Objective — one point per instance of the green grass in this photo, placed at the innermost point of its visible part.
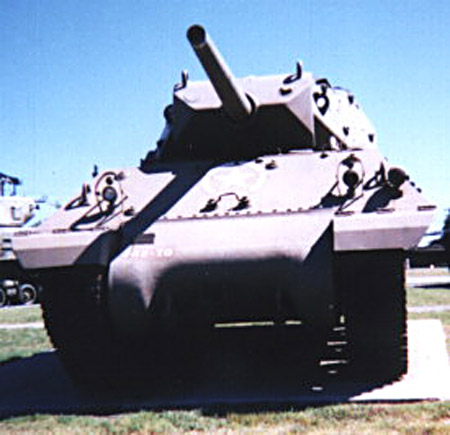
(27, 314)
(21, 343)
(350, 418)
(428, 296)
(443, 316)
(141, 422)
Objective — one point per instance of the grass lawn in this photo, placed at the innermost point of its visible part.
(420, 418)
(21, 343)
(428, 296)
(423, 418)
(21, 314)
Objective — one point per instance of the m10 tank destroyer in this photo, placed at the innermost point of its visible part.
(15, 211)
(266, 202)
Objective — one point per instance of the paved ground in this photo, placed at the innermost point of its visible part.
(428, 281)
(40, 384)
(429, 309)
(31, 325)
(429, 370)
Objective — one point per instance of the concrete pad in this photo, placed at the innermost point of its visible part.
(428, 281)
(428, 374)
(31, 325)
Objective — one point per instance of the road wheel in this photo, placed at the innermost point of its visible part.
(28, 294)
(3, 298)
(372, 286)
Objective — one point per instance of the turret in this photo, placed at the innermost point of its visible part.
(15, 211)
(228, 118)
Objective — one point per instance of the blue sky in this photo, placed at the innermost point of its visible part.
(84, 82)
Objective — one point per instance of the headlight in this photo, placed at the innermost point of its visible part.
(109, 194)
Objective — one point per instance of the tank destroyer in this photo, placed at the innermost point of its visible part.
(266, 201)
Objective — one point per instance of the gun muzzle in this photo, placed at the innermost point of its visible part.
(235, 102)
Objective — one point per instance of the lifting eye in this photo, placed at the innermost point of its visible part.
(322, 102)
(321, 99)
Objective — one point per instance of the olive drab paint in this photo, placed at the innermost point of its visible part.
(259, 193)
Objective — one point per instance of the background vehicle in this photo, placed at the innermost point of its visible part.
(16, 287)
(435, 253)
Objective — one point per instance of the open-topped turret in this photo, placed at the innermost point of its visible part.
(229, 118)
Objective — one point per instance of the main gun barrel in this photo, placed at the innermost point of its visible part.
(234, 101)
